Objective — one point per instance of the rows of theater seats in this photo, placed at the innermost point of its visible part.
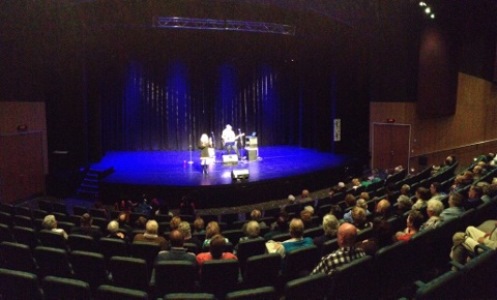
(45, 267)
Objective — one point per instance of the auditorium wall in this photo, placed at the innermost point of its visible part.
(471, 131)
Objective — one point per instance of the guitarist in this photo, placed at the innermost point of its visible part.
(230, 139)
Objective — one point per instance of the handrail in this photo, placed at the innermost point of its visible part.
(455, 148)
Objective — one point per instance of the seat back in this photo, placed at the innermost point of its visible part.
(52, 239)
(65, 288)
(248, 248)
(129, 272)
(183, 280)
(446, 286)
(106, 292)
(82, 242)
(89, 267)
(300, 262)
(24, 221)
(267, 264)
(348, 277)
(145, 250)
(53, 261)
(112, 247)
(219, 276)
(26, 236)
(19, 285)
(17, 257)
(312, 287)
(262, 293)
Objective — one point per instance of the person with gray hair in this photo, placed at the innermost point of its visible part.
(151, 235)
(50, 223)
(434, 208)
(113, 231)
(330, 229)
(404, 204)
(455, 208)
(347, 217)
(185, 229)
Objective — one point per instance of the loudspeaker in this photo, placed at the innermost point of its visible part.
(252, 153)
(240, 174)
(230, 158)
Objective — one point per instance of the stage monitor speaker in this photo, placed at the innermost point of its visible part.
(252, 153)
(230, 158)
(240, 174)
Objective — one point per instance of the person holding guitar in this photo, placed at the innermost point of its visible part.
(230, 139)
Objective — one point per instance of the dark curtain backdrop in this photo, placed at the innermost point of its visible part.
(167, 105)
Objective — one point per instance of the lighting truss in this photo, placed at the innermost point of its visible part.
(228, 25)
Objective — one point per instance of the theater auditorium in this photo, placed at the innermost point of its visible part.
(248, 149)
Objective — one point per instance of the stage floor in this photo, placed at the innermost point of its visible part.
(162, 172)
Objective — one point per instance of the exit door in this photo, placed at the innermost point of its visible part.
(391, 145)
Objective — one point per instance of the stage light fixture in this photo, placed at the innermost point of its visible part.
(421, 3)
(432, 16)
(428, 10)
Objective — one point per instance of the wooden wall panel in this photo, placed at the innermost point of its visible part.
(23, 154)
(471, 131)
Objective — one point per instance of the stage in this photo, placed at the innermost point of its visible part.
(277, 172)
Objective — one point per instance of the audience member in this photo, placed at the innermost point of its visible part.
(123, 220)
(216, 250)
(434, 208)
(405, 189)
(382, 210)
(50, 223)
(465, 242)
(436, 191)
(347, 217)
(455, 208)
(280, 226)
(359, 218)
(198, 225)
(381, 237)
(151, 235)
(140, 223)
(176, 252)
(422, 195)
(113, 231)
(86, 227)
(185, 230)
(474, 197)
(296, 241)
(346, 253)
(256, 215)
(174, 223)
(330, 228)
(211, 230)
(404, 204)
(414, 221)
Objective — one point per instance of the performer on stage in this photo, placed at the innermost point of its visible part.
(230, 139)
(205, 157)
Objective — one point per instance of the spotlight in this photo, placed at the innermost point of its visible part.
(432, 16)
(427, 10)
(421, 3)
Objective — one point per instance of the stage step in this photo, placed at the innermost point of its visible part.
(91, 182)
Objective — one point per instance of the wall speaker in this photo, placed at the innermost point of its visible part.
(240, 174)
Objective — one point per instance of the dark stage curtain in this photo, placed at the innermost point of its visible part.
(168, 105)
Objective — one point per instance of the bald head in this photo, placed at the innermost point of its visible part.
(347, 234)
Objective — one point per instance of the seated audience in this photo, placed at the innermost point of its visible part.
(174, 223)
(296, 241)
(216, 250)
(279, 226)
(474, 197)
(186, 231)
(176, 252)
(50, 223)
(414, 221)
(211, 230)
(404, 204)
(359, 218)
(465, 242)
(347, 217)
(256, 215)
(433, 209)
(330, 228)
(455, 208)
(436, 191)
(346, 252)
(198, 225)
(151, 235)
(113, 231)
(382, 210)
(422, 195)
(86, 227)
